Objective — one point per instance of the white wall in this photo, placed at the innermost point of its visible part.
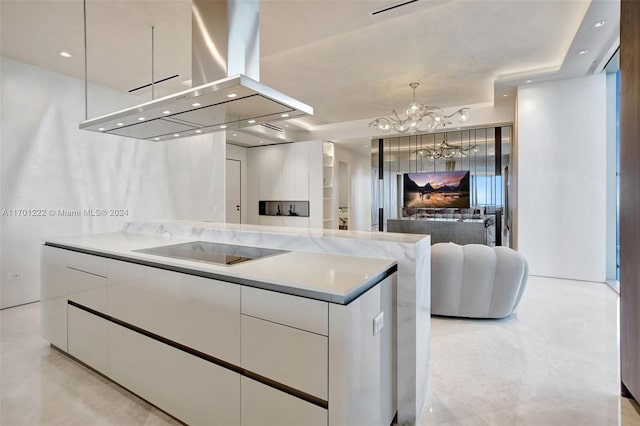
(562, 177)
(611, 177)
(48, 164)
(360, 177)
(239, 153)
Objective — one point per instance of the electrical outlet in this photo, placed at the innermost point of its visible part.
(378, 323)
(15, 276)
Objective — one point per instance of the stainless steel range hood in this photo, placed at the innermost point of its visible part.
(225, 41)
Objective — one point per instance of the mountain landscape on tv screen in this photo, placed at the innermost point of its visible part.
(437, 190)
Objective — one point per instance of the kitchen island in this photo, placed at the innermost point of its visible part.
(413, 298)
(290, 338)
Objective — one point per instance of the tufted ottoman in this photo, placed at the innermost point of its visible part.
(476, 281)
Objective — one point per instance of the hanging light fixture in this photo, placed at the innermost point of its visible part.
(446, 151)
(418, 117)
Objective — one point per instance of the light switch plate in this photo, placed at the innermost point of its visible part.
(378, 323)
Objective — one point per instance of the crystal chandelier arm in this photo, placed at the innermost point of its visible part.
(456, 112)
(379, 121)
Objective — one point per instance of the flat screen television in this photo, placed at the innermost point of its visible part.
(437, 190)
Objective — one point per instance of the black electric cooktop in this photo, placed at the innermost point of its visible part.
(219, 254)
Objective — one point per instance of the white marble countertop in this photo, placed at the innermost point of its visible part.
(312, 232)
(329, 277)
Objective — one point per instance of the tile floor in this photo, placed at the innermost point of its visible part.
(552, 363)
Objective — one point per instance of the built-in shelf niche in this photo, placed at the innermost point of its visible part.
(283, 208)
(328, 194)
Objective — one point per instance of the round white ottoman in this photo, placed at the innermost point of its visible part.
(476, 281)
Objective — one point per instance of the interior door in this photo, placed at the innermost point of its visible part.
(233, 191)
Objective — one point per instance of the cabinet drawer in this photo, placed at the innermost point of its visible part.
(299, 312)
(194, 390)
(87, 289)
(265, 406)
(201, 313)
(87, 263)
(88, 338)
(293, 357)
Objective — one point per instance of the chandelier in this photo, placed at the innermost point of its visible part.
(418, 117)
(446, 151)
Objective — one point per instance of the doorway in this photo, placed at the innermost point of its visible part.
(233, 192)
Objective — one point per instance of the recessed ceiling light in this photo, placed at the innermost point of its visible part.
(141, 118)
(231, 95)
(505, 95)
(284, 115)
(599, 24)
(101, 129)
(65, 54)
(176, 135)
(198, 131)
(156, 139)
(235, 134)
(166, 112)
(119, 124)
(582, 52)
(261, 141)
(286, 125)
(223, 126)
(196, 104)
(251, 121)
(366, 146)
(529, 81)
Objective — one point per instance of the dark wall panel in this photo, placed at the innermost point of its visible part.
(630, 195)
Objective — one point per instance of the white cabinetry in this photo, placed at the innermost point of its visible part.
(355, 350)
(67, 273)
(88, 338)
(187, 343)
(285, 172)
(201, 313)
(265, 406)
(194, 390)
(293, 357)
(298, 312)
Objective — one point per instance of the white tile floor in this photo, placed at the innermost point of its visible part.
(552, 363)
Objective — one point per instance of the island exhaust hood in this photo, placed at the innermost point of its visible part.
(227, 94)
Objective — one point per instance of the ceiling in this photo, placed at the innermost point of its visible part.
(333, 55)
